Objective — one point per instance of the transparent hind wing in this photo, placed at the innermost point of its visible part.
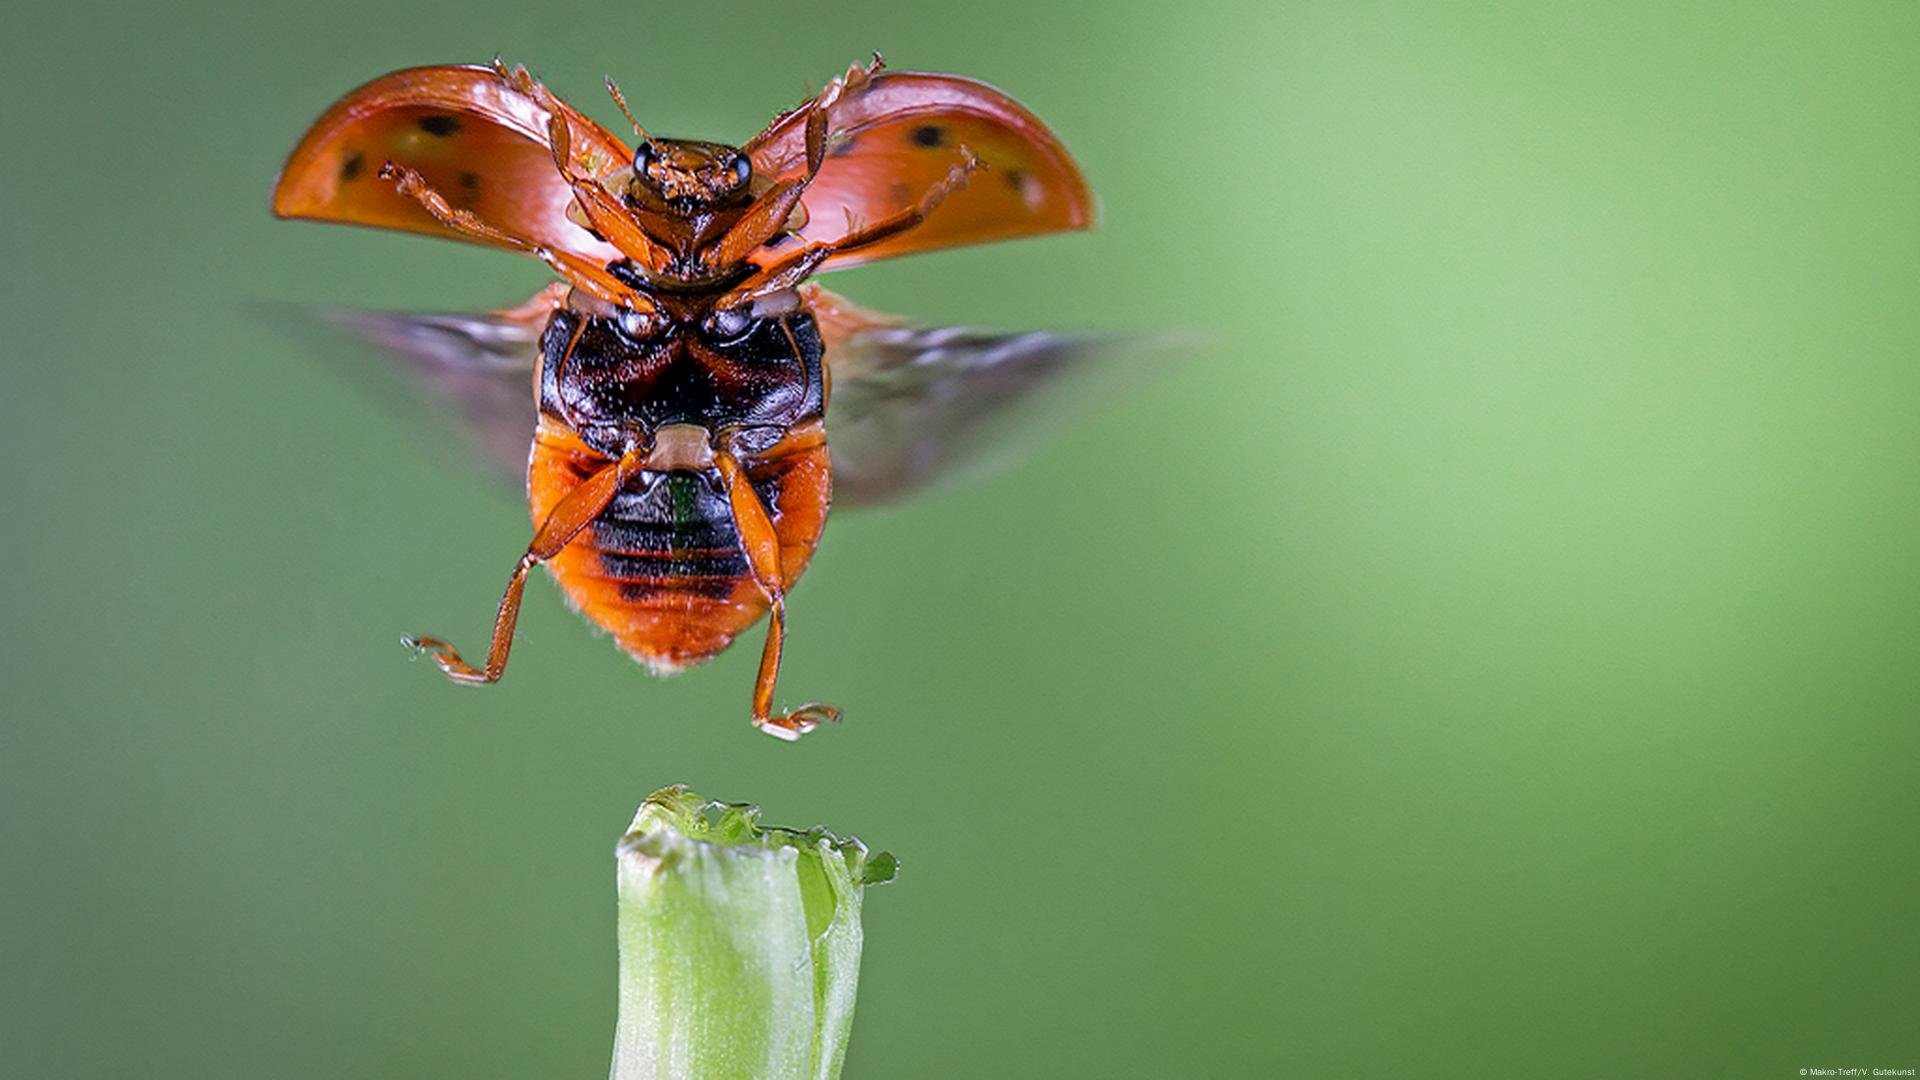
(911, 406)
(474, 372)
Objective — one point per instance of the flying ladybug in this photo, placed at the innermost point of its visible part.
(687, 379)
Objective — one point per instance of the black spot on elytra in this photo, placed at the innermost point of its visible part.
(442, 126)
(930, 135)
(1016, 179)
(351, 168)
(469, 180)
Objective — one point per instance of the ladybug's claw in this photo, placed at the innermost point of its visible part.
(790, 726)
(447, 657)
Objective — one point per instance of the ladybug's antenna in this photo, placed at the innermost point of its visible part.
(621, 100)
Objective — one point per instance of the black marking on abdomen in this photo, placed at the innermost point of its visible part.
(670, 526)
(646, 590)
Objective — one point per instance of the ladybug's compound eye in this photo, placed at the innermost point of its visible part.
(643, 156)
(729, 325)
(741, 168)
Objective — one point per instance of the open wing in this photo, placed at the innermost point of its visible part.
(913, 405)
(474, 372)
(896, 134)
(477, 134)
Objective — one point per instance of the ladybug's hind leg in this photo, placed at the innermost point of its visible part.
(762, 547)
(574, 513)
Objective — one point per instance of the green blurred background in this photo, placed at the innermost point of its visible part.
(1495, 655)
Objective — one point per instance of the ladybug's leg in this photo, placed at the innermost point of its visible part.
(793, 269)
(762, 547)
(768, 215)
(594, 279)
(602, 210)
(770, 212)
(410, 183)
(536, 310)
(866, 235)
(573, 514)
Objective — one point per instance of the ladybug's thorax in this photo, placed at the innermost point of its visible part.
(617, 379)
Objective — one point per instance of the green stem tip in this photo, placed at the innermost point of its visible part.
(739, 943)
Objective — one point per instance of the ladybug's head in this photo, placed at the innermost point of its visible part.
(691, 177)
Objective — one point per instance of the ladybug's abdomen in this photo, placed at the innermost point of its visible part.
(661, 568)
(669, 526)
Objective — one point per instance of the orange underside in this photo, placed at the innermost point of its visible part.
(671, 624)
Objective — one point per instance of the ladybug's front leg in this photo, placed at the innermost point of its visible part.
(574, 513)
(762, 546)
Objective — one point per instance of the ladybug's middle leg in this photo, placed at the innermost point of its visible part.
(594, 279)
(795, 268)
(574, 513)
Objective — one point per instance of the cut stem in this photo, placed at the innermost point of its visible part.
(739, 943)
